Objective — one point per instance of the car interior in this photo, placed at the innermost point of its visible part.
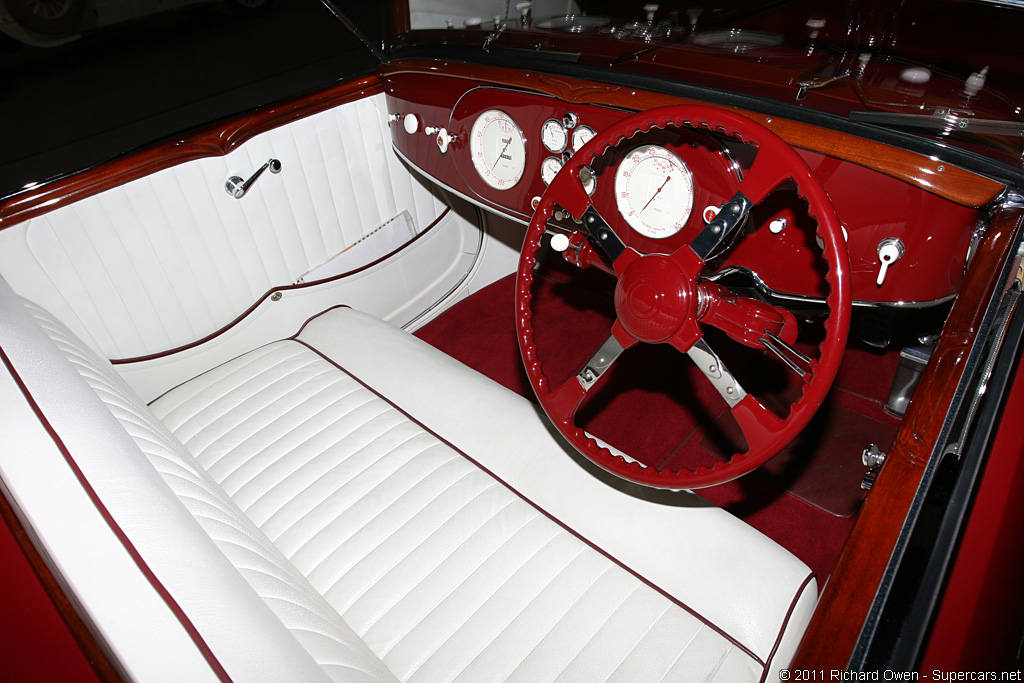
(469, 372)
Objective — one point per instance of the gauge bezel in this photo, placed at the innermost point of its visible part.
(625, 174)
(543, 136)
(577, 131)
(547, 161)
(479, 156)
(588, 178)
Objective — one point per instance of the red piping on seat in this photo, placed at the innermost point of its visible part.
(132, 551)
(785, 622)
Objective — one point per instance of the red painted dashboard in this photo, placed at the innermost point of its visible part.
(934, 233)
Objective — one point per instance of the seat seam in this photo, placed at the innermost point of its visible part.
(448, 595)
(254, 452)
(339, 486)
(391, 503)
(369, 626)
(533, 601)
(382, 482)
(487, 599)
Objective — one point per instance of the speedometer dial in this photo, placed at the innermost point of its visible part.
(654, 191)
(498, 149)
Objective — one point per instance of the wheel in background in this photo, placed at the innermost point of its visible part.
(49, 17)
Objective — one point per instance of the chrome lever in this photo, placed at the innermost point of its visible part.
(236, 187)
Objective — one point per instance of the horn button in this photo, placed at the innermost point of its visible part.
(654, 299)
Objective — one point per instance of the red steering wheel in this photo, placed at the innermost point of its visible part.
(661, 299)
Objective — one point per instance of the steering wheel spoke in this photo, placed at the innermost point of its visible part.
(571, 195)
(721, 229)
(606, 239)
(602, 360)
(724, 382)
(565, 399)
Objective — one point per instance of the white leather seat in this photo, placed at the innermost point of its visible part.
(404, 518)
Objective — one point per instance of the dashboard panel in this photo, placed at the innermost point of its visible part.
(494, 145)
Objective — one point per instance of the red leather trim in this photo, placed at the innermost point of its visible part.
(782, 628)
(295, 337)
(132, 551)
(286, 288)
(544, 512)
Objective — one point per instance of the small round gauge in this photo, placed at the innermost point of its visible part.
(581, 136)
(498, 149)
(554, 136)
(588, 179)
(549, 168)
(654, 191)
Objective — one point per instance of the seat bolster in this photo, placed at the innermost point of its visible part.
(198, 618)
(681, 535)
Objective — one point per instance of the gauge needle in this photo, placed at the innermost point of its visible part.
(501, 152)
(667, 178)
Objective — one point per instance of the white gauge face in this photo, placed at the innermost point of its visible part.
(554, 136)
(549, 168)
(588, 179)
(654, 191)
(498, 149)
(581, 136)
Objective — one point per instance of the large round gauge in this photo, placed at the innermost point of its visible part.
(498, 149)
(654, 191)
(554, 136)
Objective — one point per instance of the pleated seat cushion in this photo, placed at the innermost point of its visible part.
(437, 513)
(351, 504)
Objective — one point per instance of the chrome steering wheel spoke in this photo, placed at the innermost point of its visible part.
(724, 382)
(600, 362)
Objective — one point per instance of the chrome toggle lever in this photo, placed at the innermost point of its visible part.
(890, 250)
(236, 187)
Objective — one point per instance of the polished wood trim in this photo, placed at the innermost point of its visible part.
(399, 21)
(846, 601)
(949, 182)
(214, 140)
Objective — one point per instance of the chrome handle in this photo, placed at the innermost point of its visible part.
(236, 187)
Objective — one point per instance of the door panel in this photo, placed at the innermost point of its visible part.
(167, 259)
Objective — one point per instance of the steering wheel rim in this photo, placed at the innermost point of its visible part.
(766, 434)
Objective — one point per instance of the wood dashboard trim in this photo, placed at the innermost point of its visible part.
(949, 182)
(214, 140)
